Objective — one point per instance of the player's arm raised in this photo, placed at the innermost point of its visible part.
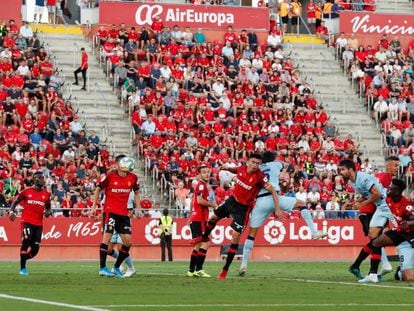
(375, 195)
(12, 212)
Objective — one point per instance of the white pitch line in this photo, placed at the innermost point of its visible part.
(376, 285)
(52, 303)
(257, 305)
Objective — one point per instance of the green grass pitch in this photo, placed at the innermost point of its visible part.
(163, 286)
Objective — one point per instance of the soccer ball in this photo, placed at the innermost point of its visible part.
(127, 164)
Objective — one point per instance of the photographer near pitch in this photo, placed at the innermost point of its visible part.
(165, 230)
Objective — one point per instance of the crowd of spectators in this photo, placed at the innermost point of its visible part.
(198, 101)
(385, 75)
(40, 130)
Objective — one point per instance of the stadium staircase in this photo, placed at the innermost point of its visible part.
(99, 107)
(319, 67)
(395, 6)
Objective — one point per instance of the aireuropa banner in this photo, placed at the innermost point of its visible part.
(11, 9)
(83, 231)
(193, 16)
(365, 23)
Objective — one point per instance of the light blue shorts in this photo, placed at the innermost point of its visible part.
(265, 206)
(116, 238)
(406, 255)
(381, 216)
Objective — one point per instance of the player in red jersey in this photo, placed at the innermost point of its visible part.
(198, 223)
(392, 165)
(35, 201)
(403, 211)
(117, 186)
(249, 181)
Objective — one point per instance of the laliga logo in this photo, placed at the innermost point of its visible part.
(151, 232)
(274, 232)
(145, 13)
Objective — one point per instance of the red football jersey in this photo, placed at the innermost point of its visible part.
(401, 211)
(117, 190)
(385, 180)
(34, 203)
(248, 186)
(199, 212)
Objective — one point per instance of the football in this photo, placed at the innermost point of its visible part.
(127, 164)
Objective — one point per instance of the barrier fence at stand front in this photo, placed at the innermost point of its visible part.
(69, 238)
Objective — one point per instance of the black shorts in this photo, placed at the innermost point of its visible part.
(365, 220)
(294, 20)
(237, 211)
(31, 233)
(285, 19)
(121, 224)
(197, 228)
(398, 237)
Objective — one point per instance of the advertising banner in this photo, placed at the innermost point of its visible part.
(11, 9)
(193, 16)
(365, 23)
(84, 231)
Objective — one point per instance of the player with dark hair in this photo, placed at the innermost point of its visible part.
(35, 201)
(264, 207)
(372, 192)
(117, 186)
(249, 180)
(366, 212)
(403, 235)
(198, 223)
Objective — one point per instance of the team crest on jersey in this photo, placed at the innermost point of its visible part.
(251, 179)
(129, 184)
(43, 197)
(29, 195)
(115, 183)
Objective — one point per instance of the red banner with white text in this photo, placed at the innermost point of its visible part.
(83, 231)
(11, 9)
(193, 16)
(376, 24)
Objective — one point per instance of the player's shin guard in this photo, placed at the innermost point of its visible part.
(123, 253)
(201, 257)
(210, 226)
(114, 254)
(363, 254)
(193, 260)
(307, 217)
(247, 249)
(103, 251)
(375, 260)
(230, 255)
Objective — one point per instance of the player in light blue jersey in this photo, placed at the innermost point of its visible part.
(265, 206)
(372, 192)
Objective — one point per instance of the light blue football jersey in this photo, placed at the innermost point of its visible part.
(272, 172)
(363, 184)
